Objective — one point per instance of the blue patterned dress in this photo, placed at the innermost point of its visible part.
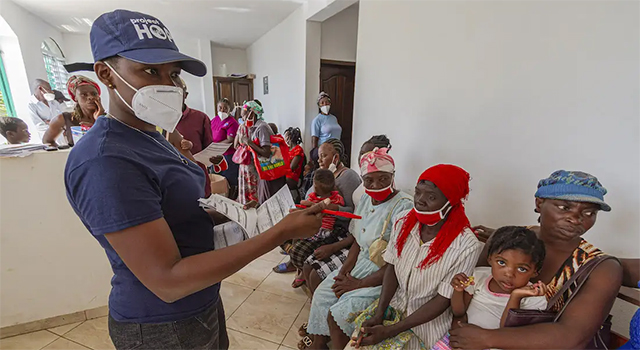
(366, 231)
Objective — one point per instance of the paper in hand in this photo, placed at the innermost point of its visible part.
(214, 149)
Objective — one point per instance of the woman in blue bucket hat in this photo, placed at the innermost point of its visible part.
(138, 196)
(568, 203)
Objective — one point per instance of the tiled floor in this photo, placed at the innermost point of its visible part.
(262, 310)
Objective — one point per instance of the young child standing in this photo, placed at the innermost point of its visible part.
(14, 130)
(515, 256)
(324, 184)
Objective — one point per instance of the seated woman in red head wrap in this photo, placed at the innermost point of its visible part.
(429, 245)
(86, 93)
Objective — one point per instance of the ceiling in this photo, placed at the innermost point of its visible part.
(231, 23)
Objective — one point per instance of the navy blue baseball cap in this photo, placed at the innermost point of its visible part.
(138, 37)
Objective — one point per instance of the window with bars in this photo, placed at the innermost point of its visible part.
(6, 102)
(54, 64)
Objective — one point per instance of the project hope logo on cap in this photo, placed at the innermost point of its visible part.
(138, 37)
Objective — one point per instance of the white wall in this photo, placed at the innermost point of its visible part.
(340, 36)
(234, 59)
(50, 263)
(280, 55)
(511, 91)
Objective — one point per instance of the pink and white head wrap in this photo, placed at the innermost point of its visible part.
(377, 160)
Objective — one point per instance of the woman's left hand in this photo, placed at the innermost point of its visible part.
(345, 283)
(99, 110)
(468, 336)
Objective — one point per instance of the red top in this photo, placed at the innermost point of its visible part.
(195, 127)
(294, 152)
(328, 220)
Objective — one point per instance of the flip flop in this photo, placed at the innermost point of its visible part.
(284, 268)
(298, 282)
(305, 343)
(302, 331)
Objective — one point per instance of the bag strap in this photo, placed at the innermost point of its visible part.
(581, 276)
(386, 222)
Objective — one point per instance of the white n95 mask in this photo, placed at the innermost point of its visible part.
(325, 109)
(158, 105)
(49, 96)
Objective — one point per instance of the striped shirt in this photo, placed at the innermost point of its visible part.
(417, 286)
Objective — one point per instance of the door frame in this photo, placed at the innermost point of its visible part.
(337, 63)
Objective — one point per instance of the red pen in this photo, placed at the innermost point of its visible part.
(343, 214)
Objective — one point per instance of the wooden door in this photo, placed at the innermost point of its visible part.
(233, 89)
(338, 80)
(243, 90)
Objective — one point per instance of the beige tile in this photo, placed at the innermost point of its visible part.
(274, 256)
(233, 296)
(265, 315)
(42, 324)
(280, 284)
(253, 274)
(62, 330)
(282, 347)
(101, 311)
(36, 341)
(292, 338)
(241, 341)
(64, 344)
(93, 334)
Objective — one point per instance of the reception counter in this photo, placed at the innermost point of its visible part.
(50, 264)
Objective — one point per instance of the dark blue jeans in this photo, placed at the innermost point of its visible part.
(206, 331)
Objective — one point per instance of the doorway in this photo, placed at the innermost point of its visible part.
(337, 78)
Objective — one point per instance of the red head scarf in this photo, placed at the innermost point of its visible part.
(79, 80)
(453, 181)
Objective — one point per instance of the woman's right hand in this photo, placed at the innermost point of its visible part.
(302, 223)
(323, 252)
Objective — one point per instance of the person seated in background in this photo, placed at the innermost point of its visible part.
(194, 125)
(86, 93)
(429, 245)
(15, 130)
(42, 106)
(569, 203)
(325, 189)
(357, 283)
(484, 299)
(293, 138)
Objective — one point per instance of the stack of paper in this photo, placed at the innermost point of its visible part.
(253, 221)
(23, 150)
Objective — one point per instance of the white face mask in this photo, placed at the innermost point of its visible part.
(333, 167)
(223, 115)
(49, 96)
(325, 109)
(158, 105)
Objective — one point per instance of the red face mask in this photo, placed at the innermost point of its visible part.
(379, 195)
(431, 218)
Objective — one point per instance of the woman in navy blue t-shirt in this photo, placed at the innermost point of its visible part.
(138, 196)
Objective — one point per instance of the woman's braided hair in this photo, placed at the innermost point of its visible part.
(339, 147)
